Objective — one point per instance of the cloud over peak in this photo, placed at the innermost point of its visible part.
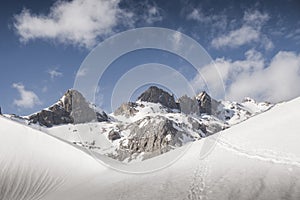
(276, 81)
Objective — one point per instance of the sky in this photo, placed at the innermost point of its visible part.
(254, 44)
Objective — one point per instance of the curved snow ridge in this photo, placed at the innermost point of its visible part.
(35, 165)
(25, 183)
(260, 154)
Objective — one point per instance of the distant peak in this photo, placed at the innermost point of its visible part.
(202, 95)
(71, 92)
(157, 95)
(71, 108)
(249, 99)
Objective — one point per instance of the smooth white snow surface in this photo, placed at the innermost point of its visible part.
(256, 159)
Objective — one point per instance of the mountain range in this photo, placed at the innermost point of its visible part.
(155, 124)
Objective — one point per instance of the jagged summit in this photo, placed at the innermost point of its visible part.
(206, 103)
(157, 95)
(71, 108)
(202, 103)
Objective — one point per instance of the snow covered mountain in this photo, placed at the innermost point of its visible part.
(257, 159)
(155, 124)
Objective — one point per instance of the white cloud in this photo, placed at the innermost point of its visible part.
(238, 37)
(197, 15)
(255, 17)
(77, 22)
(249, 32)
(54, 73)
(215, 21)
(28, 99)
(277, 81)
(152, 14)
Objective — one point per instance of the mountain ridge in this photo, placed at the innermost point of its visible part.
(155, 124)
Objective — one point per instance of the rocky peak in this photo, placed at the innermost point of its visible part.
(71, 108)
(157, 95)
(248, 99)
(207, 104)
(203, 96)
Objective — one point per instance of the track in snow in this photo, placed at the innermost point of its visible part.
(259, 154)
(198, 188)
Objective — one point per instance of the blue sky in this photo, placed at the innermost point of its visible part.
(255, 45)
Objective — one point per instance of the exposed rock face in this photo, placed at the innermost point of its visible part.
(127, 109)
(207, 104)
(196, 125)
(72, 108)
(189, 105)
(54, 116)
(203, 103)
(153, 136)
(157, 95)
(81, 110)
(114, 135)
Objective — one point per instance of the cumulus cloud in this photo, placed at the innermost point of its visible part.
(76, 22)
(276, 81)
(28, 99)
(54, 73)
(249, 32)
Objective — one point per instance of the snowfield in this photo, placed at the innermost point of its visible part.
(256, 159)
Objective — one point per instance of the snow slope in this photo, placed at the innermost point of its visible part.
(256, 159)
(34, 165)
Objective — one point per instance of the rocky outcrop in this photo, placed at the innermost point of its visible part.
(81, 110)
(113, 135)
(189, 105)
(207, 104)
(200, 104)
(127, 109)
(55, 115)
(196, 126)
(157, 95)
(71, 108)
(152, 136)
